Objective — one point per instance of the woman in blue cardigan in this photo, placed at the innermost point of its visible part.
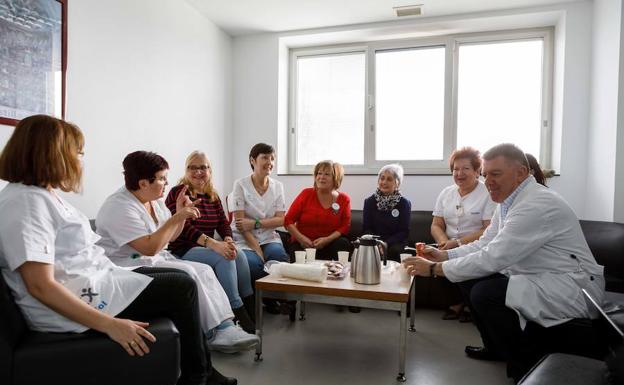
(387, 212)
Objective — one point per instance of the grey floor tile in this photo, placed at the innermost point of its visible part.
(332, 347)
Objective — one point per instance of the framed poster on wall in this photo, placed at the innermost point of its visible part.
(33, 58)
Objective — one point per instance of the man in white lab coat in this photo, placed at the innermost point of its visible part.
(529, 265)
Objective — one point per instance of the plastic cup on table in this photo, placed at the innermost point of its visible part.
(343, 257)
(310, 254)
(300, 256)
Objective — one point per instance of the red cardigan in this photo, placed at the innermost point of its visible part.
(314, 221)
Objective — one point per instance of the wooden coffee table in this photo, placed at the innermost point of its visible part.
(390, 294)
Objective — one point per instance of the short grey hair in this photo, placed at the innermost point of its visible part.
(395, 169)
(509, 151)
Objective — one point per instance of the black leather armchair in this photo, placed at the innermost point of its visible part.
(28, 357)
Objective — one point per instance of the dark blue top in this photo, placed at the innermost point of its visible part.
(391, 229)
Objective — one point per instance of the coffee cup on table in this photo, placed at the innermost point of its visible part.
(343, 257)
(310, 254)
(402, 270)
(300, 256)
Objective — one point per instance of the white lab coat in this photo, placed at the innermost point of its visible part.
(122, 219)
(464, 215)
(37, 226)
(542, 249)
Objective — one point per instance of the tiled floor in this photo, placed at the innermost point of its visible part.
(332, 347)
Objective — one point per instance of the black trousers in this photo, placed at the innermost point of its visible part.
(173, 294)
(500, 330)
(328, 252)
(499, 325)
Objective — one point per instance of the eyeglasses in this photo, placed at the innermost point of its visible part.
(201, 168)
(160, 179)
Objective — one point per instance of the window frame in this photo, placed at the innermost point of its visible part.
(451, 43)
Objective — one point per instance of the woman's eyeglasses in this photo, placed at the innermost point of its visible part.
(201, 168)
(160, 179)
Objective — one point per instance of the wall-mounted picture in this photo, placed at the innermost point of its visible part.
(33, 52)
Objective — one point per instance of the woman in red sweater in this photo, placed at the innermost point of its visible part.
(320, 217)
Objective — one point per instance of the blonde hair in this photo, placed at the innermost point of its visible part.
(209, 187)
(43, 151)
(336, 169)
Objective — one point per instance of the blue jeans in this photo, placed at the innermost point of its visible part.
(273, 251)
(233, 275)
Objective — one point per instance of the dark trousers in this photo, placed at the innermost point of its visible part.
(328, 252)
(173, 294)
(499, 325)
(500, 330)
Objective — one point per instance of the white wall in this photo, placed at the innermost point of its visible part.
(145, 75)
(601, 151)
(258, 112)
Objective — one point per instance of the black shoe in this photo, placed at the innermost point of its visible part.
(217, 378)
(272, 306)
(289, 308)
(354, 309)
(481, 353)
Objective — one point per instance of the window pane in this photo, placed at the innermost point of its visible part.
(409, 104)
(500, 95)
(330, 108)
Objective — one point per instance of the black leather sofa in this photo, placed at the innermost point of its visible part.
(28, 357)
(89, 358)
(578, 369)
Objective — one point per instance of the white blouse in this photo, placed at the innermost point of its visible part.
(464, 215)
(38, 226)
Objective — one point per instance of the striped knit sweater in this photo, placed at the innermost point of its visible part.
(212, 218)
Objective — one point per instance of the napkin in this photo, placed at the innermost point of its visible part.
(308, 272)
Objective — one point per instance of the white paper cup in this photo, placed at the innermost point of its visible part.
(405, 255)
(300, 256)
(310, 254)
(343, 257)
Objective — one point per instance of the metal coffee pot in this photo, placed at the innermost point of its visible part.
(366, 260)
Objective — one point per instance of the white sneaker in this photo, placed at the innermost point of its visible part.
(232, 339)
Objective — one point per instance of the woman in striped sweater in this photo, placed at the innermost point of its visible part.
(196, 242)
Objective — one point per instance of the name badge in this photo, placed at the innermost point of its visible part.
(395, 213)
(335, 206)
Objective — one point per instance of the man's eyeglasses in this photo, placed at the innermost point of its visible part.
(201, 168)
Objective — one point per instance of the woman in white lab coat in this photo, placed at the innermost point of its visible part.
(462, 212)
(61, 280)
(136, 227)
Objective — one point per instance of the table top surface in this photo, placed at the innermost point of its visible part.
(391, 288)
